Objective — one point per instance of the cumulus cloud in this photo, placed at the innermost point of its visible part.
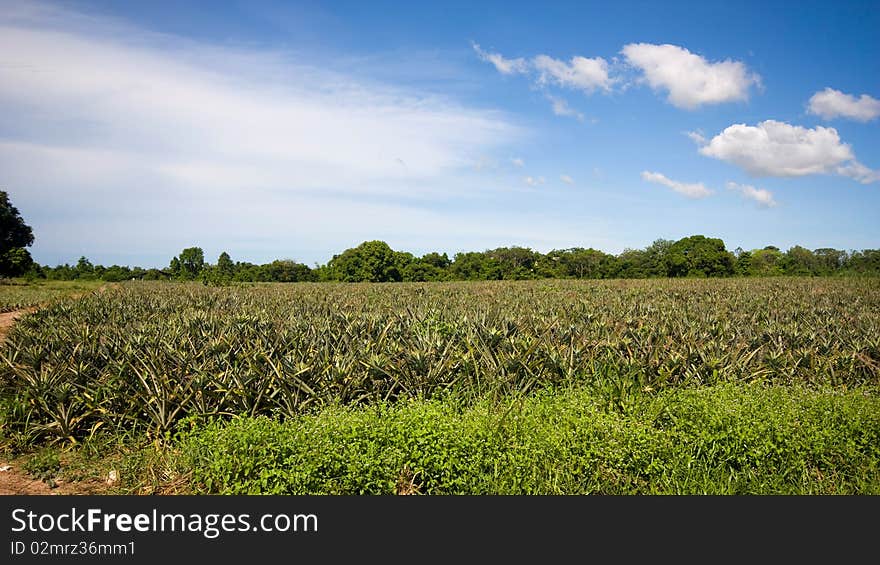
(778, 149)
(566, 179)
(761, 196)
(561, 108)
(534, 181)
(503, 65)
(690, 80)
(581, 73)
(691, 190)
(518, 162)
(830, 104)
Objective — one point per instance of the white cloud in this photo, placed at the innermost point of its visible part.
(778, 149)
(561, 108)
(690, 79)
(534, 181)
(830, 103)
(691, 190)
(696, 136)
(566, 179)
(581, 73)
(859, 172)
(518, 162)
(504, 66)
(761, 196)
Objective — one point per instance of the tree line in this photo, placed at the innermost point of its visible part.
(375, 261)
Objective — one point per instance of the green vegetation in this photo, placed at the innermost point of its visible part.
(19, 294)
(728, 439)
(375, 261)
(15, 235)
(676, 385)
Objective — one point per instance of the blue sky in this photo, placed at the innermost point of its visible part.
(296, 130)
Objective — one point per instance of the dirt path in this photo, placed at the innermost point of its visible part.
(7, 320)
(13, 478)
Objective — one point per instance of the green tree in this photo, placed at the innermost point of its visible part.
(116, 273)
(654, 258)
(516, 263)
(579, 263)
(191, 261)
(800, 261)
(418, 271)
(371, 261)
(632, 264)
(286, 270)
(744, 263)
(16, 262)
(15, 235)
(864, 262)
(767, 262)
(830, 260)
(225, 266)
(699, 256)
(476, 266)
(437, 260)
(85, 269)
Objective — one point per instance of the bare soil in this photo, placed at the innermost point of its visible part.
(15, 480)
(7, 320)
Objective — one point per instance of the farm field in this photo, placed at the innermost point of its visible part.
(721, 386)
(17, 295)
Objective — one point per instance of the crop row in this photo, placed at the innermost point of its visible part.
(146, 355)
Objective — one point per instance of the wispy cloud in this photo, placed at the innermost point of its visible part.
(579, 73)
(761, 196)
(101, 117)
(696, 136)
(691, 190)
(566, 179)
(518, 162)
(561, 108)
(534, 181)
(503, 65)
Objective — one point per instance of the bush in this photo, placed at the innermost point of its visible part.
(726, 439)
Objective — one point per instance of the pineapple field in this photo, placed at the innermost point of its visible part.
(759, 385)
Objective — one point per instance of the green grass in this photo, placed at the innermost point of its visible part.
(725, 439)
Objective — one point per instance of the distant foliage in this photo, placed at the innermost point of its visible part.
(695, 256)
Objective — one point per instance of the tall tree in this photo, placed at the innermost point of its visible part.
(371, 261)
(767, 262)
(225, 266)
(15, 235)
(192, 261)
(699, 256)
(84, 268)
